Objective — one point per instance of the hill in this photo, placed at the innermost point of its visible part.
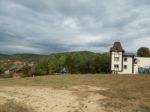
(21, 57)
(35, 57)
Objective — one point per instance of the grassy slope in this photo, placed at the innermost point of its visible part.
(126, 92)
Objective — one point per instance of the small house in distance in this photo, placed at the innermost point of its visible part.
(127, 63)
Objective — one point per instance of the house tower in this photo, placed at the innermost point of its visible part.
(117, 53)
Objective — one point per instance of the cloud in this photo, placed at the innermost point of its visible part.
(49, 26)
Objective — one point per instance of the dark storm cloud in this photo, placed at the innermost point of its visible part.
(50, 46)
(46, 26)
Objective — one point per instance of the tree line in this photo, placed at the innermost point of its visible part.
(74, 63)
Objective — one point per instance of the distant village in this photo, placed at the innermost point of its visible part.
(15, 68)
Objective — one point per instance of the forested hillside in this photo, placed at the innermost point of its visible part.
(74, 62)
(21, 57)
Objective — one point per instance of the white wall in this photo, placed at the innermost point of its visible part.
(113, 62)
(143, 62)
(129, 64)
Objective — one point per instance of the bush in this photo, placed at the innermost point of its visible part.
(2, 69)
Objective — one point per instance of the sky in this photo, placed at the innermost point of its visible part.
(52, 26)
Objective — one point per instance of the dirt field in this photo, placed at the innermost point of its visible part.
(78, 93)
(42, 99)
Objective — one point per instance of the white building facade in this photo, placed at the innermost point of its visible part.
(127, 63)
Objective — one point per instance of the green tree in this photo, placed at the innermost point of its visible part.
(53, 65)
(70, 63)
(97, 64)
(26, 71)
(41, 68)
(2, 69)
(143, 52)
(105, 63)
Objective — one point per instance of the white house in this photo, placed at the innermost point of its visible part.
(127, 63)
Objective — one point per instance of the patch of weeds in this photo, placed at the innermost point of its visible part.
(143, 109)
(12, 106)
(119, 94)
(113, 104)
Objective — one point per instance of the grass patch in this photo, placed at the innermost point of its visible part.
(143, 109)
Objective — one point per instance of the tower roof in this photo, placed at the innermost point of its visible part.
(117, 47)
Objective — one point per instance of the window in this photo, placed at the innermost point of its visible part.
(125, 59)
(135, 61)
(116, 66)
(125, 66)
(116, 59)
